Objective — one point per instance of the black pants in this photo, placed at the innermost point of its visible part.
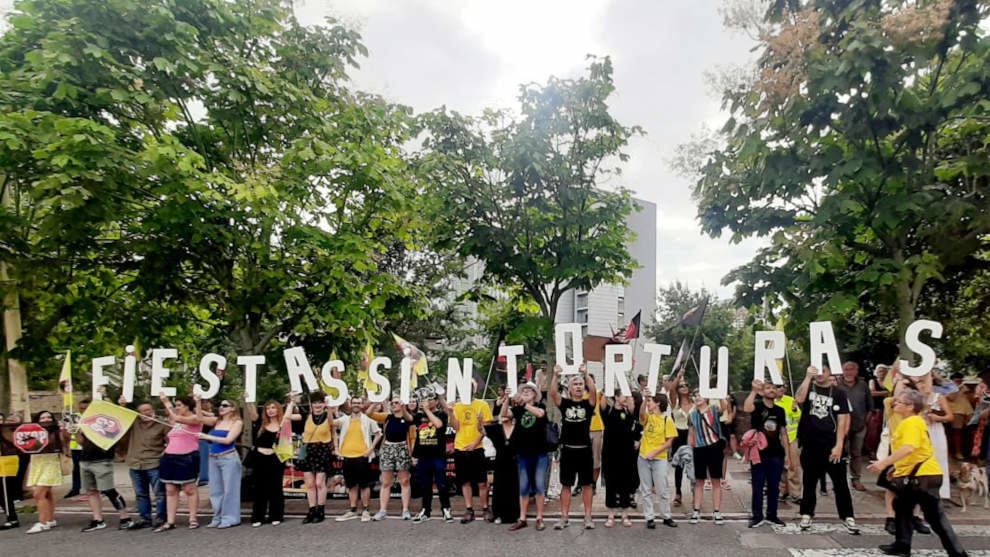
(815, 463)
(428, 471)
(7, 492)
(925, 495)
(76, 480)
(268, 496)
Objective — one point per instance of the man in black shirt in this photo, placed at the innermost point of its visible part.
(824, 423)
(96, 473)
(576, 459)
(430, 456)
(770, 420)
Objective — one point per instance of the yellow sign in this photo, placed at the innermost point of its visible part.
(8, 466)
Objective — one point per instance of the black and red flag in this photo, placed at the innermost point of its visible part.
(632, 331)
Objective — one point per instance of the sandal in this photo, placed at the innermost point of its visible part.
(610, 522)
(193, 524)
(726, 485)
(540, 526)
(626, 522)
(677, 501)
(165, 527)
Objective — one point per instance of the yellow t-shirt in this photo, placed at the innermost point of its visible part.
(913, 431)
(596, 419)
(467, 415)
(657, 428)
(353, 445)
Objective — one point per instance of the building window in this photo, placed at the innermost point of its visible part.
(581, 301)
(622, 310)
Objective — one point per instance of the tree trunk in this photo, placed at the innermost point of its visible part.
(905, 315)
(17, 375)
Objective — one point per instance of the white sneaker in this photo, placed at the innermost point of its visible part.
(38, 528)
(850, 524)
(366, 516)
(421, 516)
(805, 522)
(448, 516)
(717, 517)
(51, 524)
(349, 515)
(695, 517)
(380, 515)
(406, 515)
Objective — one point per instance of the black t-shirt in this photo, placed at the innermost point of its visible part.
(820, 415)
(396, 429)
(575, 430)
(770, 421)
(92, 453)
(431, 441)
(530, 433)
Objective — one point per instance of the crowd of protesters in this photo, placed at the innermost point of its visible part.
(833, 426)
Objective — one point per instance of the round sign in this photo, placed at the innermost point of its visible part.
(30, 438)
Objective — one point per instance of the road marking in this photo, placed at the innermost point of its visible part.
(965, 530)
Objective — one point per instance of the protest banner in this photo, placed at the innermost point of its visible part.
(30, 438)
(105, 423)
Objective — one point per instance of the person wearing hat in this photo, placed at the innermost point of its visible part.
(430, 455)
(529, 440)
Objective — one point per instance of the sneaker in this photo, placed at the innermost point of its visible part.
(38, 528)
(650, 525)
(276, 522)
(894, 549)
(805, 522)
(890, 526)
(365, 516)
(51, 524)
(736, 456)
(561, 524)
(695, 516)
(669, 523)
(10, 525)
(776, 521)
(95, 525)
(448, 516)
(795, 500)
(349, 515)
(589, 524)
(920, 526)
(380, 515)
(717, 517)
(850, 524)
(755, 522)
(256, 525)
(125, 524)
(137, 525)
(421, 516)
(406, 515)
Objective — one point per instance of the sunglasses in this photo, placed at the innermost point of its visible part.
(225, 405)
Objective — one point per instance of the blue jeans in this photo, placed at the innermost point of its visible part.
(428, 472)
(146, 482)
(204, 462)
(533, 474)
(766, 473)
(225, 489)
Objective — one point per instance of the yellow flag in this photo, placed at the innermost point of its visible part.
(65, 381)
(284, 449)
(8, 466)
(105, 423)
(364, 377)
(332, 391)
(419, 363)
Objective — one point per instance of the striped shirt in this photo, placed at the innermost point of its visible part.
(707, 428)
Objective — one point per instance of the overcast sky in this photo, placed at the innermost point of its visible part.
(468, 55)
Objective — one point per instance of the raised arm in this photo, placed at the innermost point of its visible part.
(434, 420)
(589, 383)
(750, 403)
(675, 382)
(252, 412)
(802, 392)
(554, 392)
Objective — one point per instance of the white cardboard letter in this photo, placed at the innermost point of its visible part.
(560, 332)
(769, 348)
(657, 352)
(326, 375)
(616, 370)
(823, 343)
(159, 373)
(250, 364)
(100, 380)
(458, 381)
(298, 367)
(405, 378)
(211, 377)
(915, 345)
(384, 387)
(721, 389)
(130, 374)
(511, 366)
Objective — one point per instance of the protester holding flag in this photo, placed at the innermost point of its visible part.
(146, 443)
(179, 466)
(44, 473)
(267, 467)
(316, 460)
(225, 465)
(576, 459)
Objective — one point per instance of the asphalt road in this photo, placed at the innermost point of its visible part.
(396, 537)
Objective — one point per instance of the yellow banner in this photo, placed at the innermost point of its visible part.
(8, 466)
(417, 356)
(105, 423)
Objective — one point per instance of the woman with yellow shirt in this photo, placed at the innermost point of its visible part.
(917, 475)
(318, 443)
(658, 436)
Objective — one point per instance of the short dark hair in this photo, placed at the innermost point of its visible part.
(661, 400)
(188, 401)
(317, 396)
(957, 375)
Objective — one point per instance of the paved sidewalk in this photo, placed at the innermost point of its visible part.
(735, 502)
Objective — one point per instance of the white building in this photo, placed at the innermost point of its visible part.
(609, 307)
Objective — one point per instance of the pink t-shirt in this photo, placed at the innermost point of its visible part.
(182, 439)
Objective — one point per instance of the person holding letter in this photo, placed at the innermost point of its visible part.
(395, 459)
(470, 465)
(706, 437)
(318, 448)
(659, 433)
(824, 423)
(576, 459)
(179, 466)
(225, 465)
(268, 468)
(430, 456)
(770, 420)
(359, 435)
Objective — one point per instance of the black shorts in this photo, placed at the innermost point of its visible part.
(708, 461)
(470, 466)
(576, 463)
(357, 472)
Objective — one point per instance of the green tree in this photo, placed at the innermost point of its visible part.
(527, 195)
(846, 152)
(198, 172)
